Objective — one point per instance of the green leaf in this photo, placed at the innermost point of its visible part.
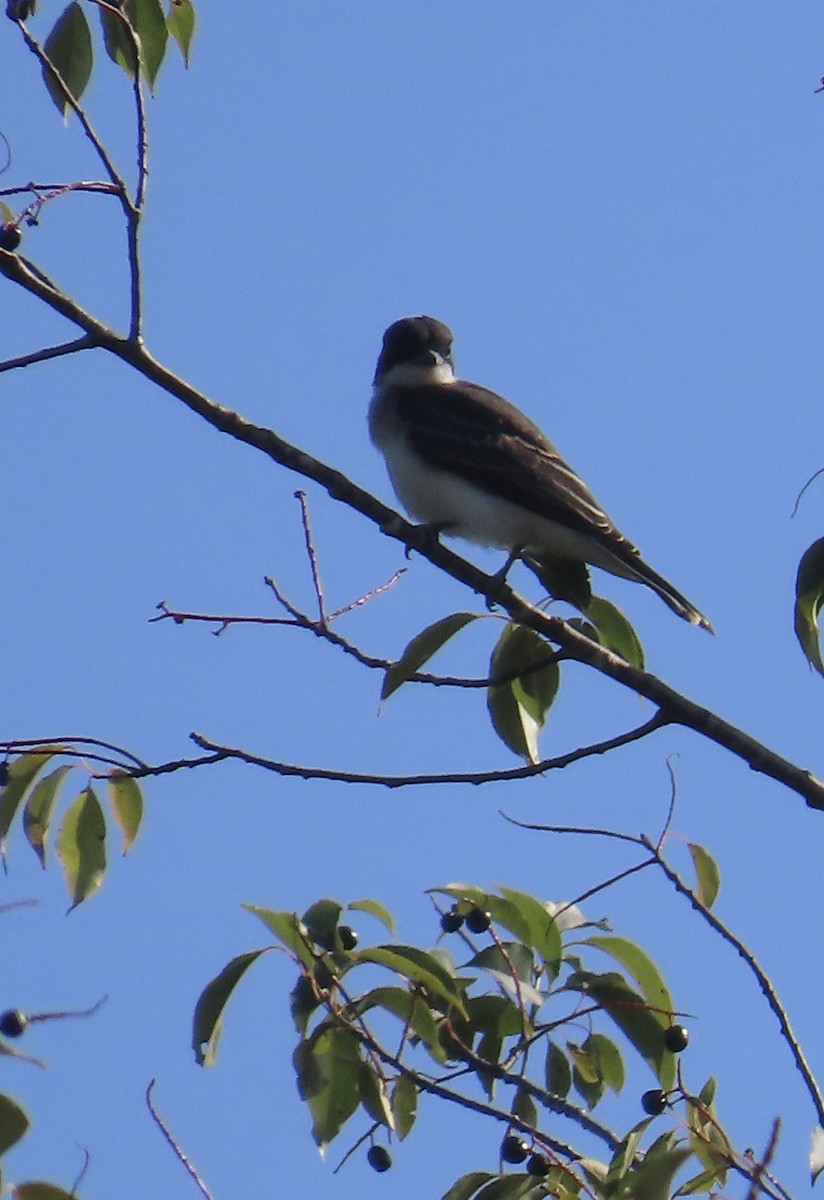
(809, 597)
(373, 1095)
(81, 847)
(632, 1015)
(328, 1070)
(524, 1107)
(496, 1014)
(181, 25)
(321, 920)
(558, 1073)
(7, 214)
(40, 1191)
(150, 24)
(208, 1017)
(126, 800)
(288, 929)
(544, 935)
(518, 707)
(706, 1181)
(624, 1157)
(422, 647)
(69, 50)
(565, 579)
(409, 1007)
(707, 874)
(489, 1049)
(508, 1187)
(467, 1185)
(119, 45)
(404, 1105)
(419, 967)
(643, 970)
(13, 1123)
(492, 958)
(652, 1180)
(376, 910)
(37, 814)
(614, 631)
(21, 774)
(303, 1002)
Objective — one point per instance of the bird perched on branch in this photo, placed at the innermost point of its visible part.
(469, 464)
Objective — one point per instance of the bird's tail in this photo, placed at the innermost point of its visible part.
(670, 595)
(569, 580)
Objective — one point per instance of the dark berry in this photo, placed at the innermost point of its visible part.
(514, 1149)
(10, 237)
(478, 920)
(451, 921)
(4, 773)
(379, 1158)
(676, 1038)
(654, 1102)
(348, 937)
(13, 1022)
(538, 1165)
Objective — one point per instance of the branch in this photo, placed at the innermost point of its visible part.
(26, 360)
(219, 753)
(761, 976)
(674, 707)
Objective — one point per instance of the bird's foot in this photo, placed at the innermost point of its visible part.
(500, 576)
(431, 534)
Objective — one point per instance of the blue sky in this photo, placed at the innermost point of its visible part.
(617, 207)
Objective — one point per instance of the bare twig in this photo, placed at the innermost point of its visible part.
(81, 1175)
(761, 1166)
(219, 753)
(73, 744)
(311, 555)
(763, 980)
(26, 360)
(176, 1148)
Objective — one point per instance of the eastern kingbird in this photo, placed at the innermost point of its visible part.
(467, 462)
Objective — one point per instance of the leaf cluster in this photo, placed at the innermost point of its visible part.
(529, 1021)
(33, 798)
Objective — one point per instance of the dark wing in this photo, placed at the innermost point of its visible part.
(475, 433)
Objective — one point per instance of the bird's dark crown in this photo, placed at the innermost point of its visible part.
(417, 340)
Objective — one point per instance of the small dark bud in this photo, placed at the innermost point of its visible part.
(654, 1102)
(478, 920)
(514, 1149)
(538, 1166)
(13, 1022)
(348, 937)
(676, 1038)
(451, 921)
(379, 1159)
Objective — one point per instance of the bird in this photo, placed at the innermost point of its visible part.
(468, 464)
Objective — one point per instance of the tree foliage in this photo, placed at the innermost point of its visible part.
(532, 1013)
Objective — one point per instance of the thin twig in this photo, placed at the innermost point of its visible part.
(26, 360)
(72, 743)
(765, 1160)
(311, 555)
(87, 1158)
(764, 982)
(177, 1150)
(218, 753)
(45, 62)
